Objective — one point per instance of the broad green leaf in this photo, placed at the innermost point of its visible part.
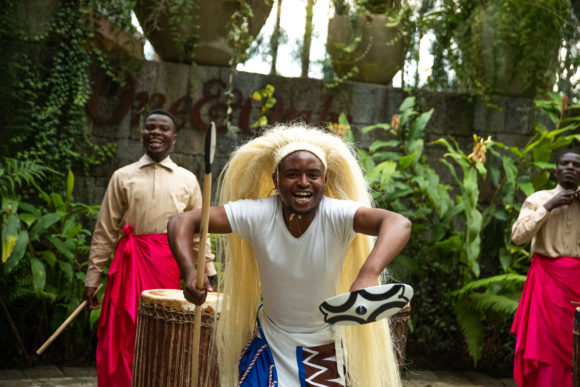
(10, 232)
(381, 144)
(418, 126)
(382, 156)
(509, 169)
(27, 218)
(61, 247)
(543, 165)
(387, 169)
(407, 104)
(94, 317)
(31, 209)
(416, 147)
(481, 169)
(526, 185)
(516, 151)
(57, 201)
(70, 183)
(38, 274)
(18, 252)
(407, 160)
(49, 257)
(367, 129)
(9, 204)
(500, 214)
(44, 223)
(543, 152)
(67, 269)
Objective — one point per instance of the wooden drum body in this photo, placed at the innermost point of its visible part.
(164, 340)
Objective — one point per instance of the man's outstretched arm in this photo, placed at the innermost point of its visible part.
(392, 231)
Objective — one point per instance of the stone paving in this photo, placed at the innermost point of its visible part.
(52, 376)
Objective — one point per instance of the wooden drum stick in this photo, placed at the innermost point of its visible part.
(65, 323)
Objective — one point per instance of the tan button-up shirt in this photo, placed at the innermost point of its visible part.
(145, 195)
(553, 234)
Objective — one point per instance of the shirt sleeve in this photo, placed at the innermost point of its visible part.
(341, 216)
(106, 231)
(532, 217)
(244, 215)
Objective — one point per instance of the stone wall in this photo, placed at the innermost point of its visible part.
(196, 96)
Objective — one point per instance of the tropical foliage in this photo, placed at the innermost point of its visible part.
(445, 261)
(44, 249)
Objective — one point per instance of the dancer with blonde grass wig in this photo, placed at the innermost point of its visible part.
(300, 228)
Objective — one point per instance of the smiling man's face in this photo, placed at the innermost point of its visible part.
(300, 182)
(158, 136)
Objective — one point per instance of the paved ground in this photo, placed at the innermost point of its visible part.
(52, 376)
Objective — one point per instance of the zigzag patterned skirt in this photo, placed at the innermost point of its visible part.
(276, 358)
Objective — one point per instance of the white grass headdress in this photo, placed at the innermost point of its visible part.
(300, 146)
(368, 349)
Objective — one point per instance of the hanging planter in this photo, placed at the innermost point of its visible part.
(364, 48)
(501, 64)
(504, 47)
(197, 30)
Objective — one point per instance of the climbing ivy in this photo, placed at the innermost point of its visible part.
(46, 89)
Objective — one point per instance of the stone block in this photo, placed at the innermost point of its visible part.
(79, 371)
(11, 374)
(43, 372)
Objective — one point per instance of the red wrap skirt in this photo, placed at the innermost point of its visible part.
(544, 321)
(141, 262)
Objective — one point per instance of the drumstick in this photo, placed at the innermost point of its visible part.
(575, 302)
(205, 201)
(65, 323)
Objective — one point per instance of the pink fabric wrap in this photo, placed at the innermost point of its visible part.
(141, 262)
(544, 321)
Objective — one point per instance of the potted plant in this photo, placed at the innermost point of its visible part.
(506, 47)
(206, 32)
(368, 42)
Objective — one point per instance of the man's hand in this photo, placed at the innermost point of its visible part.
(90, 295)
(192, 293)
(364, 281)
(563, 198)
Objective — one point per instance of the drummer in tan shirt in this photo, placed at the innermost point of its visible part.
(543, 322)
(140, 199)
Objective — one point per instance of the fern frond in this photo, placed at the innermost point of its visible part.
(15, 173)
(499, 303)
(501, 279)
(472, 327)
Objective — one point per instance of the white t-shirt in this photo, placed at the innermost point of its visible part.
(296, 274)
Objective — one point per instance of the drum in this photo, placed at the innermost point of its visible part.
(576, 360)
(164, 339)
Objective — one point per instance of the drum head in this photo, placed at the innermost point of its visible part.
(366, 305)
(174, 298)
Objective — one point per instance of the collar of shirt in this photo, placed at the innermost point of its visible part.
(145, 160)
(559, 189)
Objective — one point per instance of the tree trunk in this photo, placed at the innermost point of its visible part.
(276, 38)
(305, 53)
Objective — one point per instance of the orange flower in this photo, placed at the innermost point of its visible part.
(479, 149)
(395, 122)
(564, 103)
(337, 129)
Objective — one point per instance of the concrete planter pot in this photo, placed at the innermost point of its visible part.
(498, 66)
(212, 46)
(379, 55)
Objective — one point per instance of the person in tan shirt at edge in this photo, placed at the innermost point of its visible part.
(544, 319)
(140, 199)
